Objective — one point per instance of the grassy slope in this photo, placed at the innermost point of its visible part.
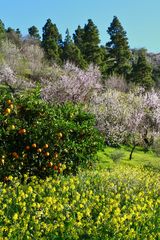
(148, 160)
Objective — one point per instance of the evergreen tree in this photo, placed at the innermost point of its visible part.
(104, 62)
(78, 38)
(51, 42)
(142, 72)
(34, 32)
(72, 53)
(2, 31)
(92, 50)
(118, 49)
(87, 40)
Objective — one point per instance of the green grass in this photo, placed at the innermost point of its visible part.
(140, 158)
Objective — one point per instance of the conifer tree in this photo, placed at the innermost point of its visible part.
(87, 40)
(78, 38)
(34, 32)
(72, 53)
(92, 50)
(51, 42)
(118, 49)
(142, 72)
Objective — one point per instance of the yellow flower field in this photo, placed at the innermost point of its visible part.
(121, 204)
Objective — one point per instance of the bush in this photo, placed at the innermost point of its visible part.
(117, 155)
(41, 139)
(156, 147)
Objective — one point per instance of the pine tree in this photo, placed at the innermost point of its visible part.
(51, 42)
(34, 32)
(142, 72)
(92, 50)
(72, 53)
(118, 49)
(87, 40)
(78, 38)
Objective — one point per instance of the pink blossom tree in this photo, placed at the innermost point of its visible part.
(74, 85)
(132, 118)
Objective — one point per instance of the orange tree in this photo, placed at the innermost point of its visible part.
(43, 139)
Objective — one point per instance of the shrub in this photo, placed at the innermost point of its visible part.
(117, 155)
(156, 147)
(41, 139)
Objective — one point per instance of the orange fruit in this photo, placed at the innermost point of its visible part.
(39, 150)
(34, 145)
(50, 164)
(15, 155)
(46, 145)
(22, 131)
(7, 111)
(9, 101)
(27, 147)
(47, 154)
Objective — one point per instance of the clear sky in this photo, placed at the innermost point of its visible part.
(140, 18)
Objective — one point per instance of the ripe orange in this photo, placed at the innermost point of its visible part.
(46, 154)
(50, 164)
(39, 150)
(22, 131)
(15, 155)
(7, 111)
(27, 147)
(34, 145)
(46, 145)
(8, 101)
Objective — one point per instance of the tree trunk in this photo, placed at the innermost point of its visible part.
(130, 157)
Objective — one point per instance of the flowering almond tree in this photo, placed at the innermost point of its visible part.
(74, 85)
(132, 118)
(111, 113)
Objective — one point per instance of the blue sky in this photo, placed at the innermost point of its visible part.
(140, 18)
